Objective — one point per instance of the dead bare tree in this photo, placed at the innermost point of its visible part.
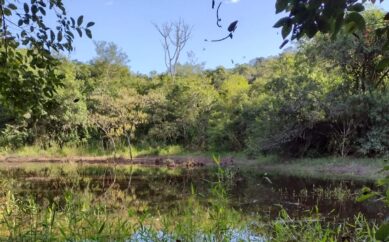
(175, 35)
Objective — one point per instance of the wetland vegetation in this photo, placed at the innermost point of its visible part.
(53, 202)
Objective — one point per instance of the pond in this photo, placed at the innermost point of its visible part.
(252, 198)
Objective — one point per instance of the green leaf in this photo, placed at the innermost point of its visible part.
(356, 19)
(383, 181)
(42, 10)
(59, 36)
(338, 25)
(284, 43)
(365, 197)
(286, 29)
(26, 8)
(386, 168)
(34, 9)
(386, 16)
(281, 5)
(62, 232)
(71, 35)
(88, 33)
(79, 32)
(383, 64)
(311, 30)
(323, 25)
(12, 6)
(7, 12)
(42, 4)
(358, 7)
(101, 228)
(80, 20)
(383, 233)
(52, 35)
(73, 21)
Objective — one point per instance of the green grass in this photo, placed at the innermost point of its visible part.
(69, 151)
(314, 228)
(324, 168)
(367, 169)
(90, 150)
(54, 170)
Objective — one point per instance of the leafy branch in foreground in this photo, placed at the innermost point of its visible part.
(28, 73)
(26, 24)
(307, 18)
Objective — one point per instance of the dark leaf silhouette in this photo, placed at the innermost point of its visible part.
(233, 26)
(284, 43)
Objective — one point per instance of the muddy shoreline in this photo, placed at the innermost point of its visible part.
(156, 161)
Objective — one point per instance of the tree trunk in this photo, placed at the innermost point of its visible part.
(128, 136)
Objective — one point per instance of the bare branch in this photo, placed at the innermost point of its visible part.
(218, 19)
(174, 35)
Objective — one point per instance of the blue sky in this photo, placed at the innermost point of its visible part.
(129, 24)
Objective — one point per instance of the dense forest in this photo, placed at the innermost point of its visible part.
(321, 97)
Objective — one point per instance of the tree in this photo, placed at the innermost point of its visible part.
(28, 77)
(174, 35)
(359, 55)
(179, 111)
(110, 53)
(105, 91)
(109, 68)
(118, 114)
(227, 127)
(191, 67)
(131, 107)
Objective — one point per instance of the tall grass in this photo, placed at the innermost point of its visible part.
(91, 150)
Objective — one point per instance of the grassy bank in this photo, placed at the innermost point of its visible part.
(123, 151)
(71, 151)
(322, 168)
(325, 168)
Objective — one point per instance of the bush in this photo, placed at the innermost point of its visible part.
(13, 137)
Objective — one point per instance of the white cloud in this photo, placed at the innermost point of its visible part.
(109, 2)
